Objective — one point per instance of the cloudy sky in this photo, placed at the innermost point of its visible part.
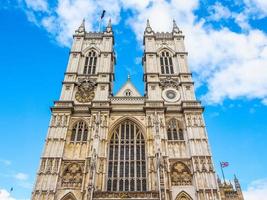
(227, 45)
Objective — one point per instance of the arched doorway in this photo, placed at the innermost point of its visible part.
(183, 196)
(127, 158)
(68, 196)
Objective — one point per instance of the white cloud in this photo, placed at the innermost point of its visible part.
(264, 101)
(232, 65)
(5, 195)
(139, 5)
(21, 176)
(256, 7)
(218, 12)
(37, 5)
(5, 162)
(256, 190)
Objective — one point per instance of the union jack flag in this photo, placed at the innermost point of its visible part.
(224, 164)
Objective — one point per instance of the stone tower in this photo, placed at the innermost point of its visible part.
(127, 146)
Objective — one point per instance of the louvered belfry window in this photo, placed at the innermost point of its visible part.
(90, 63)
(174, 132)
(166, 64)
(127, 159)
(79, 132)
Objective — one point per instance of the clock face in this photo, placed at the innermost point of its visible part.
(85, 92)
(149, 30)
(84, 96)
(170, 95)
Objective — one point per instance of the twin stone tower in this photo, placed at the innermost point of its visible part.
(128, 146)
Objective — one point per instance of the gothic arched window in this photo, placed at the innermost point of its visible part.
(166, 64)
(174, 130)
(79, 132)
(127, 159)
(90, 63)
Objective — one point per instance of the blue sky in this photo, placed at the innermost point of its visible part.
(227, 45)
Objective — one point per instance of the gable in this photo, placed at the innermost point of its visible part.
(128, 90)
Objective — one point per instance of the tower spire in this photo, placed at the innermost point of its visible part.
(175, 28)
(237, 184)
(81, 28)
(238, 188)
(148, 24)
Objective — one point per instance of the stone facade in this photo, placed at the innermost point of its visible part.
(127, 146)
(230, 192)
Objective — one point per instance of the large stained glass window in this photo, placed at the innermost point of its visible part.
(127, 159)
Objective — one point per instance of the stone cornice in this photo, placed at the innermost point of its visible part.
(192, 105)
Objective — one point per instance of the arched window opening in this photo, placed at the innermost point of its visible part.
(90, 63)
(79, 132)
(174, 132)
(128, 93)
(166, 63)
(127, 162)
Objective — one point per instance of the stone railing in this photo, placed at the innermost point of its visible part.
(127, 100)
(151, 195)
(93, 35)
(64, 104)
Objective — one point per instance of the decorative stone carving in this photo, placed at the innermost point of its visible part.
(169, 82)
(180, 174)
(194, 120)
(149, 121)
(72, 176)
(128, 195)
(104, 121)
(85, 91)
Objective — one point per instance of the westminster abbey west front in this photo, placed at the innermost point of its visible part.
(128, 146)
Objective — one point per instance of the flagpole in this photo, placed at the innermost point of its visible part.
(99, 24)
(100, 20)
(222, 172)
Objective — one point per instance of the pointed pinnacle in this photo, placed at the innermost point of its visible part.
(147, 23)
(109, 23)
(129, 77)
(83, 23)
(174, 24)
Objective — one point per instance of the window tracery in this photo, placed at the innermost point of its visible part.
(127, 164)
(174, 131)
(166, 64)
(79, 132)
(90, 63)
